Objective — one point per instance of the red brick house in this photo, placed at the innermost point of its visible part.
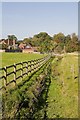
(30, 49)
(22, 46)
(9, 43)
(2, 41)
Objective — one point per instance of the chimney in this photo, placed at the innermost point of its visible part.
(14, 43)
(8, 41)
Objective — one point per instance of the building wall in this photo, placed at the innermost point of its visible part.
(27, 50)
(2, 50)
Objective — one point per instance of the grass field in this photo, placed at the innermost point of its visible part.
(63, 91)
(11, 58)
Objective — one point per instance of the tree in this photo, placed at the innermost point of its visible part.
(27, 41)
(67, 43)
(43, 40)
(71, 43)
(59, 37)
(12, 38)
(59, 42)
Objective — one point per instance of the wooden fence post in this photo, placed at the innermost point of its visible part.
(37, 64)
(30, 66)
(5, 77)
(15, 73)
(22, 70)
(33, 65)
(26, 68)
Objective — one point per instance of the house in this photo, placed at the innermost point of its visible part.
(22, 46)
(3, 45)
(30, 49)
(9, 43)
(2, 41)
(2, 50)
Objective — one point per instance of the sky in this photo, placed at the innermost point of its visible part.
(39, 0)
(25, 19)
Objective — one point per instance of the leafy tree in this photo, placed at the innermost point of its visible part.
(12, 37)
(27, 41)
(59, 37)
(18, 42)
(59, 42)
(71, 43)
(43, 40)
(74, 41)
(67, 43)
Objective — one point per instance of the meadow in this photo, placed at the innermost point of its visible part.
(8, 59)
(11, 58)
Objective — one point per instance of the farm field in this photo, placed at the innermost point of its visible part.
(63, 91)
(11, 58)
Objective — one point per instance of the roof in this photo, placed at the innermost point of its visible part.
(28, 46)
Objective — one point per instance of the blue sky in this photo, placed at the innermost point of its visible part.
(26, 19)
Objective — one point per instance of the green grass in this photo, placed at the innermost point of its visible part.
(11, 58)
(63, 92)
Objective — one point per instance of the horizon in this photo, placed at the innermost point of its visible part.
(26, 19)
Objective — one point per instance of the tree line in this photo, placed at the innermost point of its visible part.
(59, 43)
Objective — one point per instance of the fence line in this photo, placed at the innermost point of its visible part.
(23, 67)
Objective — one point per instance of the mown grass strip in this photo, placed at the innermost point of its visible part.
(63, 92)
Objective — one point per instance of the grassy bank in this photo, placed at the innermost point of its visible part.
(63, 91)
